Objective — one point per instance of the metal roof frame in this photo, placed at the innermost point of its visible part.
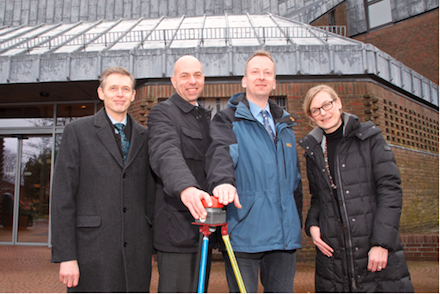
(297, 48)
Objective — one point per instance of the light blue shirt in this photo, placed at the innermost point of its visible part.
(124, 122)
(256, 112)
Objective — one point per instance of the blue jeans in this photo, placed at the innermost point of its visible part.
(277, 270)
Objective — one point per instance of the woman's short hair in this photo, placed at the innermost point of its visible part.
(312, 93)
(115, 70)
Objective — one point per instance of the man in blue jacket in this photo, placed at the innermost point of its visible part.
(252, 161)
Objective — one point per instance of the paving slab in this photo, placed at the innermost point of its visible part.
(27, 269)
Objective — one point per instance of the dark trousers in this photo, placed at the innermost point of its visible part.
(277, 270)
(179, 272)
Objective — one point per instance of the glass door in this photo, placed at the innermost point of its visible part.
(33, 212)
(8, 175)
(25, 189)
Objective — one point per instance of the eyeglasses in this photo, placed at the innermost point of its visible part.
(326, 106)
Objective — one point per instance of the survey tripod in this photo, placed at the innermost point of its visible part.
(216, 218)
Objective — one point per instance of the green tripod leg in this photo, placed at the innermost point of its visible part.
(234, 263)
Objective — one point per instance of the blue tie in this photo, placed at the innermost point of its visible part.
(266, 124)
(124, 141)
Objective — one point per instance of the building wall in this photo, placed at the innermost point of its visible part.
(414, 42)
(418, 165)
(420, 246)
(400, 10)
(340, 17)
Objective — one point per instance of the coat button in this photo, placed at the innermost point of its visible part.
(360, 134)
(353, 219)
(125, 209)
(311, 153)
(124, 175)
(125, 244)
(343, 165)
(357, 248)
(323, 170)
(347, 192)
(307, 147)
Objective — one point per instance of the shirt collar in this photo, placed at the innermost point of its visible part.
(256, 110)
(124, 122)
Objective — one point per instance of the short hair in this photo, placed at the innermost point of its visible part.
(313, 92)
(259, 53)
(115, 70)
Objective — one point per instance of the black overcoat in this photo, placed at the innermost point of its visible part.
(366, 214)
(102, 210)
(179, 139)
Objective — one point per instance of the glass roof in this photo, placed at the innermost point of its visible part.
(183, 32)
(149, 47)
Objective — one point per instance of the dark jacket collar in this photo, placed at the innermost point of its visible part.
(183, 105)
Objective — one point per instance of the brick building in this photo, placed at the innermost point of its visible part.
(52, 53)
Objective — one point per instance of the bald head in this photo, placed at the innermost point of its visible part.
(185, 61)
(188, 78)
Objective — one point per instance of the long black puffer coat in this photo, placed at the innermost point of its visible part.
(368, 208)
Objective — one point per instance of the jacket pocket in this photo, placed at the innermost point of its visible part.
(88, 221)
(192, 144)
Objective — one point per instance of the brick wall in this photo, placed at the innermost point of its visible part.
(417, 160)
(420, 247)
(414, 42)
(340, 15)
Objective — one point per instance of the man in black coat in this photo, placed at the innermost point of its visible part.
(103, 196)
(179, 139)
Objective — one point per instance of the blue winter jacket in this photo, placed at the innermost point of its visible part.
(267, 177)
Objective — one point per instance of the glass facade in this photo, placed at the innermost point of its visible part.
(30, 135)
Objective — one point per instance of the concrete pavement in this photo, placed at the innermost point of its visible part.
(27, 269)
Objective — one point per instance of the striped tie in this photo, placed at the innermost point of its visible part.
(266, 124)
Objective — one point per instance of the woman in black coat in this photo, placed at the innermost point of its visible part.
(356, 201)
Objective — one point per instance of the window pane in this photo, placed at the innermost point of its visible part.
(379, 13)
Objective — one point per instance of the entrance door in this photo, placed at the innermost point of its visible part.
(25, 189)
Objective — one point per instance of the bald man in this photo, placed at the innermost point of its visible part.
(179, 139)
